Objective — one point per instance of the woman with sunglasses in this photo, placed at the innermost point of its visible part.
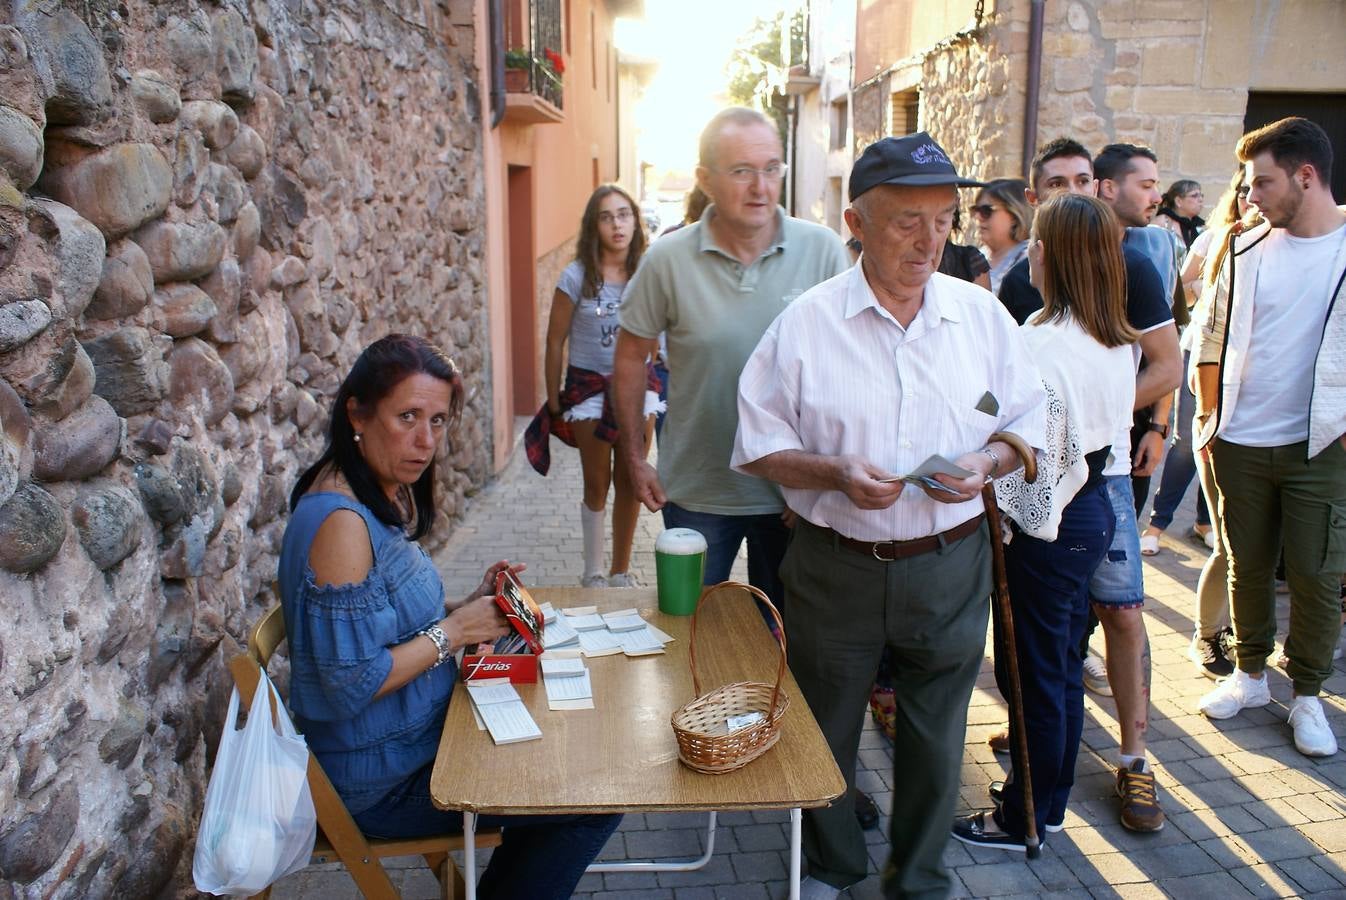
(1003, 217)
(583, 325)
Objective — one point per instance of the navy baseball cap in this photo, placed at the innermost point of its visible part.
(912, 160)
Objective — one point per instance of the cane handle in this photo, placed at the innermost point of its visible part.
(1025, 452)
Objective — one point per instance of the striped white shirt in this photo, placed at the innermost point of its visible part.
(836, 374)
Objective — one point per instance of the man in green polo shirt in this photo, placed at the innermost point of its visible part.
(713, 288)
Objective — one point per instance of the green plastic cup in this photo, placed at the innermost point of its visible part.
(679, 565)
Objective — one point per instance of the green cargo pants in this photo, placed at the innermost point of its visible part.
(1274, 496)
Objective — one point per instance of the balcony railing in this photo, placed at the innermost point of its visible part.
(545, 28)
(534, 65)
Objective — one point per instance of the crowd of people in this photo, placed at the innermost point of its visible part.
(795, 384)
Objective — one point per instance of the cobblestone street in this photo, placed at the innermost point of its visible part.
(1247, 814)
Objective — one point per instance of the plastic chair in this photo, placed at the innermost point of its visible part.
(339, 838)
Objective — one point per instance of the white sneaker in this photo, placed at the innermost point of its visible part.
(1237, 692)
(813, 889)
(594, 581)
(623, 580)
(1096, 675)
(1313, 736)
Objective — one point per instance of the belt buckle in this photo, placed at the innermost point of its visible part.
(892, 545)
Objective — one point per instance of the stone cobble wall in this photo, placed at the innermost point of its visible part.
(206, 211)
(1168, 74)
(970, 104)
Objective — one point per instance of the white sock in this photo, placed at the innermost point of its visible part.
(1127, 759)
(591, 522)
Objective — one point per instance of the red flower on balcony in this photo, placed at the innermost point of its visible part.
(554, 60)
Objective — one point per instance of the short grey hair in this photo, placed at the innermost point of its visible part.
(734, 115)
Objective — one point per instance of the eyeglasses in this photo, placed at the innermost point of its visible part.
(621, 215)
(1195, 195)
(984, 210)
(747, 174)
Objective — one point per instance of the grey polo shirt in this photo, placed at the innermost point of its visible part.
(714, 310)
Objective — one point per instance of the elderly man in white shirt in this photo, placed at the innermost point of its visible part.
(855, 384)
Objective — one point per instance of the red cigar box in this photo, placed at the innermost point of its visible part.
(526, 619)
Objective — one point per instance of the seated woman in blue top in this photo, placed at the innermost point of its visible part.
(372, 637)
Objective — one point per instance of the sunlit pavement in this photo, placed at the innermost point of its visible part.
(1247, 814)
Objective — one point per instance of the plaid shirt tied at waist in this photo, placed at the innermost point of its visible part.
(581, 384)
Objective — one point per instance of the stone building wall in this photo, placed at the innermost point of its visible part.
(206, 210)
(970, 104)
(1173, 75)
(549, 267)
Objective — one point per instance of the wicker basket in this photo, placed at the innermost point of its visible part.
(705, 742)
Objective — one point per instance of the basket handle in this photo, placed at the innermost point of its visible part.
(780, 630)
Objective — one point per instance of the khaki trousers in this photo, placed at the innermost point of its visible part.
(843, 607)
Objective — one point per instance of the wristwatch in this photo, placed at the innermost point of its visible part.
(1160, 427)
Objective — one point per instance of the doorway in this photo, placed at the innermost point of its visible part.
(1326, 110)
(522, 261)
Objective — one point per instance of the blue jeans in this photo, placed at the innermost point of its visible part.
(539, 857)
(1179, 465)
(1049, 594)
(1118, 581)
(767, 539)
(662, 371)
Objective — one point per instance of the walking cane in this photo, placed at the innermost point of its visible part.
(1005, 615)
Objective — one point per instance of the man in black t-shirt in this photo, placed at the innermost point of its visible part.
(1116, 592)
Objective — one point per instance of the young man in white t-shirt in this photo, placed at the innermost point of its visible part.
(1270, 382)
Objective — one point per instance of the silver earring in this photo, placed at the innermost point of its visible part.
(357, 437)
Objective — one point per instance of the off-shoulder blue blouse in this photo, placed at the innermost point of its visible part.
(340, 638)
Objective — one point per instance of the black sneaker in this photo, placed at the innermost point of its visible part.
(980, 830)
(866, 810)
(1211, 655)
(996, 790)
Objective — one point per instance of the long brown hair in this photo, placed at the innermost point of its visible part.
(1084, 275)
(589, 249)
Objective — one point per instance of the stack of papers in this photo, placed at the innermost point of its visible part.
(567, 683)
(581, 628)
(558, 633)
(500, 710)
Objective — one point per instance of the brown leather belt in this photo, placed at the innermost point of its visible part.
(888, 551)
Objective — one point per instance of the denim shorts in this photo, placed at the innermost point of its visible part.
(1118, 582)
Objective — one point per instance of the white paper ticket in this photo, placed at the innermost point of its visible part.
(568, 667)
(639, 643)
(599, 643)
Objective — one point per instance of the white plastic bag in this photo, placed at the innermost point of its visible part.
(258, 824)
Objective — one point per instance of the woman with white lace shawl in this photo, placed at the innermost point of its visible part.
(1063, 523)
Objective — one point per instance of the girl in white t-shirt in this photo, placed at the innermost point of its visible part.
(584, 321)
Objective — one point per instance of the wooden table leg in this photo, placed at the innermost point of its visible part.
(796, 842)
(469, 855)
